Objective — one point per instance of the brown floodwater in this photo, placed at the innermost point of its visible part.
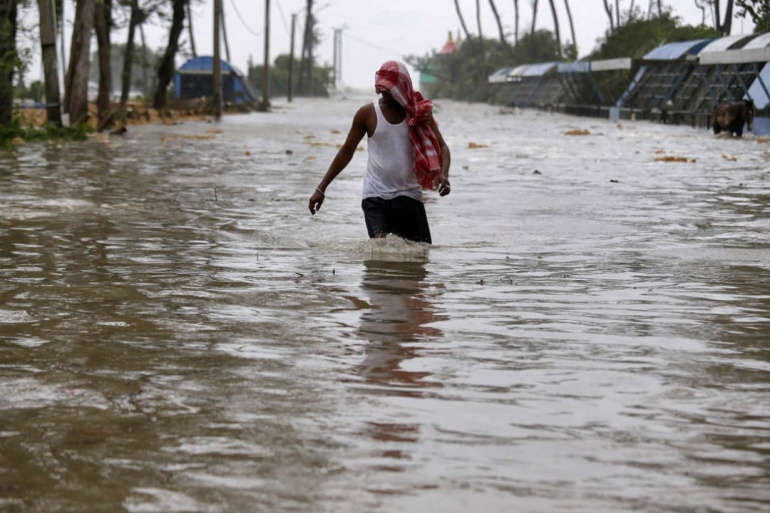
(590, 331)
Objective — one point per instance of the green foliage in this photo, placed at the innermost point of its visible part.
(36, 91)
(47, 132)
(463, 74)
(322, 79)
(117, 52)
(635, 38)
(638, 36)
(758, 11)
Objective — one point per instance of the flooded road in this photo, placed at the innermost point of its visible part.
(588, 333)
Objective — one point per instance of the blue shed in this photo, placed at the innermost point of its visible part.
(195, 79)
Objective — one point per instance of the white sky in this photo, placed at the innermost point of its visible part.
(376, 31)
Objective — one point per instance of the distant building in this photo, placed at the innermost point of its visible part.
(427, 78)
(195, 79)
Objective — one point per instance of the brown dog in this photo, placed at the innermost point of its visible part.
(733, 116)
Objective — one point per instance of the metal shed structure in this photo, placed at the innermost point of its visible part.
(596, 83)
(685, 88)
(678, 82)
(194, 79)
(529, 85)
(662, 71)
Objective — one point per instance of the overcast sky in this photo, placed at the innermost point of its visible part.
(374, 31)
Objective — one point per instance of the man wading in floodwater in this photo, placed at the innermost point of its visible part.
(406, 153)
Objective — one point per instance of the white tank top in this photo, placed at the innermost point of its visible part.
(390, 165)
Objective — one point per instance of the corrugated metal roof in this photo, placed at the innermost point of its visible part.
(538, 70)
(761, 41)
(674, 51)
(518, 71)
(499, 76)
(574, 67)
(721, 44)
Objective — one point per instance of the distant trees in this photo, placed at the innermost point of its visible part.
(723, 19)
(318, 85)
(758, 11)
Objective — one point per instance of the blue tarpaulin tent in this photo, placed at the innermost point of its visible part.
(195, 80)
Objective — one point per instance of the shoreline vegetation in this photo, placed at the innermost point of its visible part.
(31, 123)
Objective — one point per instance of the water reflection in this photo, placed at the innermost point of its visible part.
(399, 317)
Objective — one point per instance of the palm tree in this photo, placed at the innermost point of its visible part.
(571, 26)
(76, 79)
(608, 10)
(557, 32)
(516, 27)
(462, 20)
(481, 35)
(499, 23)
(102, 26)
(166, 67)
(9, 12)
(727, 23)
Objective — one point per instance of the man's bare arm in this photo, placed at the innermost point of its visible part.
(344, 155)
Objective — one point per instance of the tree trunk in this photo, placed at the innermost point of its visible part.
(727, 24)
(137, 16)
(50, 68)
(608, 10)
(534, 16)
(145, 64)
(102, 26)
(190, 33)
(304, 81)
(499, 22)
(516, 21)
(166, 68)
(76, 80)
(462, 20)
(8, 56)
(557, 30)
(481, 35)
(571, 26)
(478, 20)
(224, 35)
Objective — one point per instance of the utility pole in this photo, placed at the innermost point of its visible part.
(217, 68)
(291, 57)
(266, 68)
(335, 60)
(50, 69)
(338, 58)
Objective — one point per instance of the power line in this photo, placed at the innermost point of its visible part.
(238, 13)
(372, 45)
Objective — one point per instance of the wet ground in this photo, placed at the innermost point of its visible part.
(588, 333)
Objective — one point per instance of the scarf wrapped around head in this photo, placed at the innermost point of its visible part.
(394, 78)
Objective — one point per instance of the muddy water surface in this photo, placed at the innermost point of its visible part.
(589, 331)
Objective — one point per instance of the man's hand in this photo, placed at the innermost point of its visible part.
(442, 185)
(316, 200)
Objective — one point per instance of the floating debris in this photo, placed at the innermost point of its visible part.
(671, 158)
(578, 131)
(475, 146)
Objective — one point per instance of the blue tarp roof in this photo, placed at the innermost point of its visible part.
(194, 79)
(206, 64)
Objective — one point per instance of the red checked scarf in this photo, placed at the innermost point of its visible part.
(393, 77)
